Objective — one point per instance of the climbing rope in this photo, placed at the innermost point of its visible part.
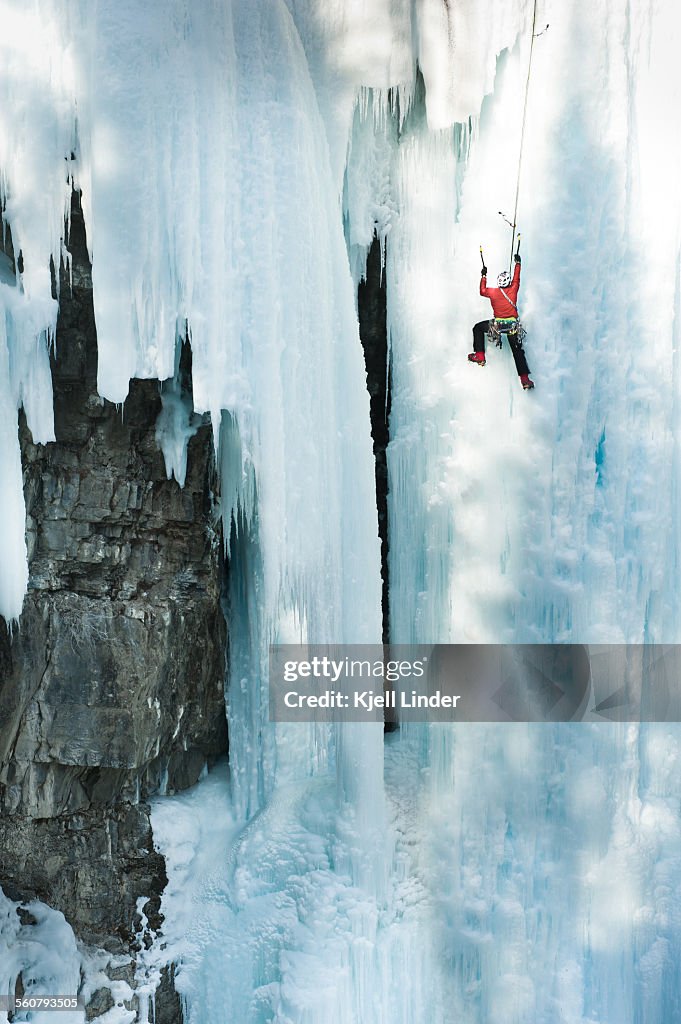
(522, 132)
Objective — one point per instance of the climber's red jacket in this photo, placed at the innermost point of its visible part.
(501, 306)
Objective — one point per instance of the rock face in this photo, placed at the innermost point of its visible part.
(112, 686)
(373, 329)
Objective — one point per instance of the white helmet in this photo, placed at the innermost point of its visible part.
(504, 279)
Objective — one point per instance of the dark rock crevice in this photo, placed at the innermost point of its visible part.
(372, 313)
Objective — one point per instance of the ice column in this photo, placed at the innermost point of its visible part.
(37, 139)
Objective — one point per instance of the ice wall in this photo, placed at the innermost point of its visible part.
(550, 516)
(277, 930)
(351, 45)
(554, 854)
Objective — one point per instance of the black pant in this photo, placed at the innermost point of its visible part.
(479, 332)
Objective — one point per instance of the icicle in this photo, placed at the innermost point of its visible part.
(176, 423)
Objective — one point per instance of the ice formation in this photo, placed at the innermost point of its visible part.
(36, 143)
(40, 956)
(40, 948)
(553, 519)
(517, 874)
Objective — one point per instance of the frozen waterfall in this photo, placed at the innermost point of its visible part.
(235, 160)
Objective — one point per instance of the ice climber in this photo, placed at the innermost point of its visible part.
(505, 321)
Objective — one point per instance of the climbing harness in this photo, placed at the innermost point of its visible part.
(506, 325)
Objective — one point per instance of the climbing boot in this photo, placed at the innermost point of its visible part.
(477, 357)
(526, 382)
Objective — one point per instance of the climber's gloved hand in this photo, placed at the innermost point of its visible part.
(483, 273)
(517, 257)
